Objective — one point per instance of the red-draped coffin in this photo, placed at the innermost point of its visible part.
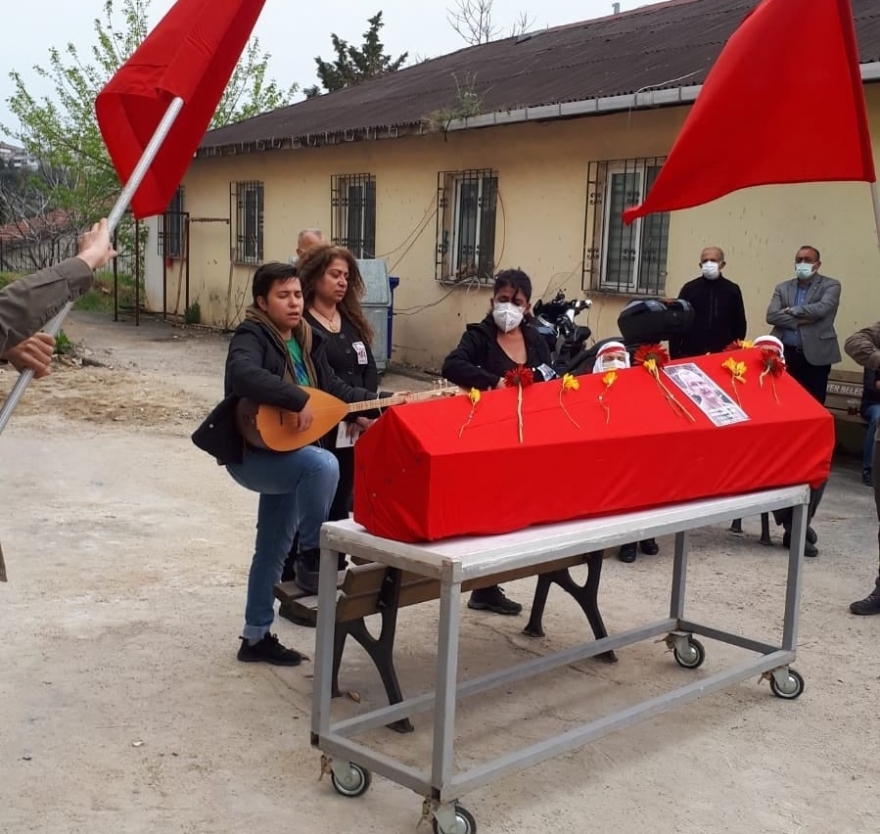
(418, 479)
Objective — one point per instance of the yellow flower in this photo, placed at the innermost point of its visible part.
(570, 383)
(609, 378)
(651, 365)
(747, 343)
(737, 369)
(474, 395)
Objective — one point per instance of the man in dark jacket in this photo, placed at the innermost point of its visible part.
(719, 313)
(864, 347)
(273, 354)
(870, 411)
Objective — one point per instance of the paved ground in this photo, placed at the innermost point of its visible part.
(123, 709)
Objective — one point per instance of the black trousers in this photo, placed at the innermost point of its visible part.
(814, 379)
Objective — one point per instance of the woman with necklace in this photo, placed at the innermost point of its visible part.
(332, 291)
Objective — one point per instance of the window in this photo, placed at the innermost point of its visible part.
(171, 236)
(620, 258)
(466, 202)
(246, 230)
(353, 213)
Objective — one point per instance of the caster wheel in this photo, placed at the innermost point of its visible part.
(464, 823)
(793, 687)
(692, 657)
(355, 782)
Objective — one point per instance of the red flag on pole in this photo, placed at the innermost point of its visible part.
(784, 103)
(191, 55)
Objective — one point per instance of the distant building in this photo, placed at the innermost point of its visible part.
(18, 158)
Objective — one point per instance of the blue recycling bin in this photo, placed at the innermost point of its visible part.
(393, 283)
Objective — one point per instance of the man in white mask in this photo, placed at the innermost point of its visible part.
(802, 312)
(719, 313)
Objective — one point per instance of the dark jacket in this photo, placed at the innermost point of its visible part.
(255, 369)
(870, 394)
(342, 355)
(479, 362)
(28, 303)
(719, 317)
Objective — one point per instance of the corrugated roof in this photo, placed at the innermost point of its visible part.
(665, 45)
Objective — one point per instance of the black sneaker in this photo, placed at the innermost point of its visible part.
(628, 552)
(493, 599)
(869, 605)
(269, 650)
(306, 569)
(649, 547)
(866, 478)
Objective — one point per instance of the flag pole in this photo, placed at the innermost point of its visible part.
(875, 200)
(116, 213)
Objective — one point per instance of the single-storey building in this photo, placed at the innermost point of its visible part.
(517, 153)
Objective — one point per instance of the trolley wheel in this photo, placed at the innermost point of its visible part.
(464, 823)
(354, 783)
(793, 687)
(693, 657)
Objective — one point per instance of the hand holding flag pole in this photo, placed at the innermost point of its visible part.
(167, 90)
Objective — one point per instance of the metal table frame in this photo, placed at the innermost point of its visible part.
(455, 560)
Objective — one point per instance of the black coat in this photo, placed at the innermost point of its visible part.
(479, 361)
(870, 394)
(255, 369)
(719, 317)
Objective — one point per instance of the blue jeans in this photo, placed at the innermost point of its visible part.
(296, 490)
(872, 414)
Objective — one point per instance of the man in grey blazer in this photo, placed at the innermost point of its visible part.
(802, 313)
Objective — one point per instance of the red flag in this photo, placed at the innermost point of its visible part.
(784, 103)
(190, 54)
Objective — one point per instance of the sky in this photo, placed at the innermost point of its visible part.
(293, 32)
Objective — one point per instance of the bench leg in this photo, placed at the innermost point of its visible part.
(535, 626)
(338, 647)
(586, 595)
(381, 653)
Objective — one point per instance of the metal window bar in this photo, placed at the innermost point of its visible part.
(246, 230)
(353, 213)
(623, 259)
(170, 238)
(465, 230)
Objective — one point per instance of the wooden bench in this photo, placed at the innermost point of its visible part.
(370, 588)
(843, 394)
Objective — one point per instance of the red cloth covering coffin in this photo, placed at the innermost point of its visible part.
(416, 479)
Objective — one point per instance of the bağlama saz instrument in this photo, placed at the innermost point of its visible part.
(277, 429)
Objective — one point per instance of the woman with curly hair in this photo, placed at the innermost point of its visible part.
(332, 291)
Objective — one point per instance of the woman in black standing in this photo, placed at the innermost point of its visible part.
(332, 291)
(503, 340)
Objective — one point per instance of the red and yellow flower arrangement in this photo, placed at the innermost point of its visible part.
(519, 377)
(773, 366)
(652, 358)
(737, 374)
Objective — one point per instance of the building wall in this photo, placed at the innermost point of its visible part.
(542, 170)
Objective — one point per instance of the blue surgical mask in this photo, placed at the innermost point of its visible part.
(804, 271)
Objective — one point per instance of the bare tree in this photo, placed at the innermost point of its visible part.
(472, 20)
(522, 25)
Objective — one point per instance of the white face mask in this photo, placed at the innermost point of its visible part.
(507, 315)
(613, 362)
(711, 270)
(804, 271)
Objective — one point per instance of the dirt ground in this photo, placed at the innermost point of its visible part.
(123, 708)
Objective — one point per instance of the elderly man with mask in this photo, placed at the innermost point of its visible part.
(719, 313)
(613, 356)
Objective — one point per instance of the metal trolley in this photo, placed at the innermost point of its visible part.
(453, 561)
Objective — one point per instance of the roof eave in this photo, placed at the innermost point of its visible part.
(599, 106)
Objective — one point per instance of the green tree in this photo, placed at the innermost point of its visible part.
(61, 131)
(353, 65)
